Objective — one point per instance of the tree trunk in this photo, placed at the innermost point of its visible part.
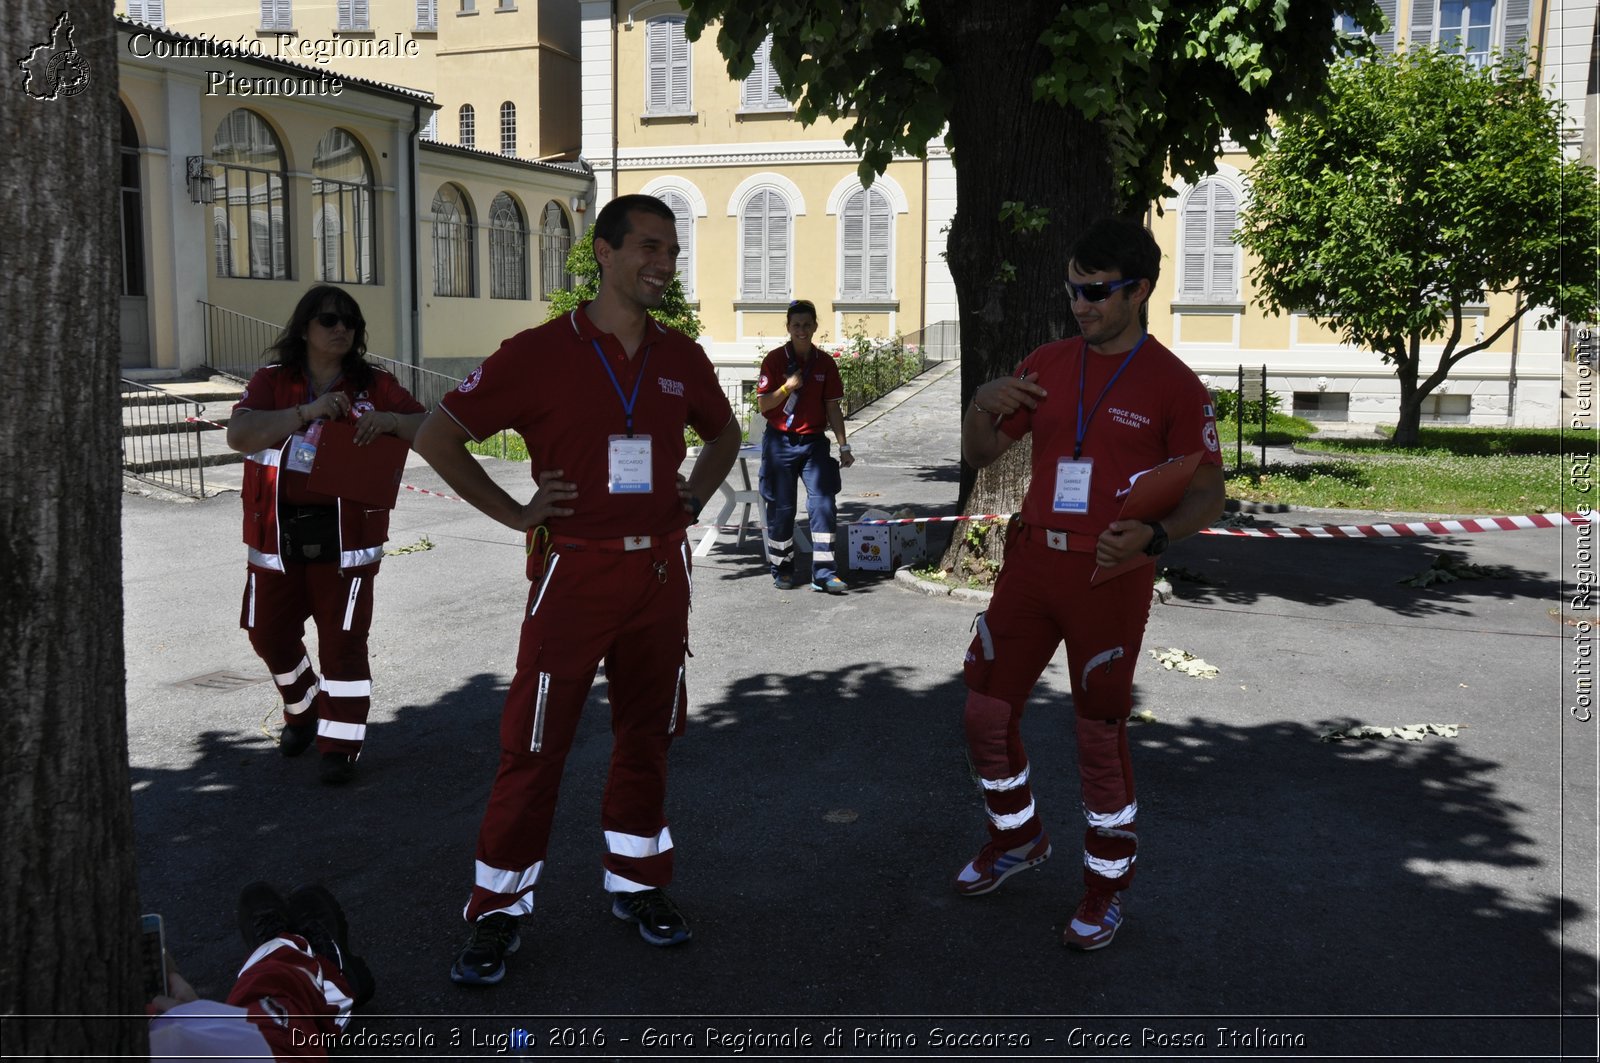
(68, 903)
(1408, 426)
(1010, 285)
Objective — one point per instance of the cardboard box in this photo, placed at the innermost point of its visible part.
(885, 547)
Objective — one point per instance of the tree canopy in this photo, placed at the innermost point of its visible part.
(674, 311)
(1388, 231)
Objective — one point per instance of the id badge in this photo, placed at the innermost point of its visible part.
(628, 465)
(303, 449)
(1072, 485)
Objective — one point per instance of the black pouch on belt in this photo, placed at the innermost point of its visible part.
(311, 533)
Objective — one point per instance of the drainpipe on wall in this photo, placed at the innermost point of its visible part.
(413, 151)
(922, 313)
(616, 139)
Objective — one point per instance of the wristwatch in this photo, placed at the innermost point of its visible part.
(1158, 538)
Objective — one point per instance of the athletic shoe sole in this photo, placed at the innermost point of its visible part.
(994, 883)
(463, 976)
(645, 932)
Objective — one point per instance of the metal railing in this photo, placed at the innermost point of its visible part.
(236, 346)
(160, 444)
(939, 342)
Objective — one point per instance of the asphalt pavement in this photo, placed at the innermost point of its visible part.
(1295, 898)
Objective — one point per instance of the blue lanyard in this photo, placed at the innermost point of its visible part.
(1083, 363)
(628, 401)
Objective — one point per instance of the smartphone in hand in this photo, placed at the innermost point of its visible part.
(153, 956)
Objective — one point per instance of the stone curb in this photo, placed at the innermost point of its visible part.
(1160, 592)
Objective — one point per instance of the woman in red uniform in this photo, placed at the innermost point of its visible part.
(315, 555)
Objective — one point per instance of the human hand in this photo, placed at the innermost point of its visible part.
(796, 381)
(691, 503)
(178, 992)
(1121, 540)
(547, 501)
(373, 424)
(331, 406)
(1009, 394)
(846, 459)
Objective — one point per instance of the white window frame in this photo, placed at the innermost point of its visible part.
(555, 243)
(428, 15)
(875, 250)
(508, 128)
(760, 91)
(772, 245)
(508, 248)
(668, 73)
(351, 206)
(355, 16)
(1510, 23)
(1207, 246)
(150, 12)
(667, 189)
(453, 244)
(467, 126)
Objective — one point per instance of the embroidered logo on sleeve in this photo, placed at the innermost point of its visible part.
(471, 381)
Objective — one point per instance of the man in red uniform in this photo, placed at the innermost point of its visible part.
(602, 396)
(799, 392)
(1102, 408)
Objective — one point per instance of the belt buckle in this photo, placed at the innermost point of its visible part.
(1055, 540)
(636, 542)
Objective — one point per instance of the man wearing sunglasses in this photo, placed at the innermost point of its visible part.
(1102, 407)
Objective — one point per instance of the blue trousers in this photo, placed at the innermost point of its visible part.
(783, 462)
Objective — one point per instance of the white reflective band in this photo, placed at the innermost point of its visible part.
(250, 597)
(350, 604)
(356, 558)
(1120, 818)
(985, 638)
(265, 457)
(822, 537)
(1014, 819)
(304, 703)
(787, 544)
(637, 846)
(615, 883)
(268, 947)
(821, 555)
(260, 560)
(496, 880)
(1108, 868)
(284, 679)
(1105, 658)
(347, 688)
(778, 559)
(349, 732)
(1012, 783)
(549, 574)
(688, 569)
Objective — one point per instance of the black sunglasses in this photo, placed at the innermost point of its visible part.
(328, 319)
(1100, 291)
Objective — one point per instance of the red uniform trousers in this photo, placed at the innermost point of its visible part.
(276, 606)
(294, 997)
(1043, 597)
(595, 602)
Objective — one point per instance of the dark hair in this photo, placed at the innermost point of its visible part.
(613, 225)
(1120, 245)
(800, 306)
(290, 349)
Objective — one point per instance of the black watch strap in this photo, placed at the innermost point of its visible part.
(1158, 538)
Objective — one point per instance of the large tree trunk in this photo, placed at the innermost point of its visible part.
(68, 904)
(1010, 285)
(1409, 424)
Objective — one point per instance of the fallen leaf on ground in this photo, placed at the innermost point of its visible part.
(1185, 662)
(1411, 732)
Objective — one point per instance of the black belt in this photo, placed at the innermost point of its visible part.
(802, 437)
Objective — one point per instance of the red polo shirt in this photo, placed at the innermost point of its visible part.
(822, 385)
(1154, 410)
(550, 384)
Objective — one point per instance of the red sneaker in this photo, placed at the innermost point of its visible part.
(1095, 922)
(994, 865)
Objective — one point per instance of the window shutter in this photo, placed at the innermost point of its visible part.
(678, 67)
(753, 245)
(347, 14)
(852, 245)
(1516, 31)
(1421, 22)
(880, 220)
(656, 56)
(1385, 40)
(1224, 214)
(427, 14)
(1196, 211)
(683, 222)
(777, 247)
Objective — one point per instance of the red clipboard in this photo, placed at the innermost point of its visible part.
(1155, 493)
(367, 474)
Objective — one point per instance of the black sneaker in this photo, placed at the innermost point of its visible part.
(316, 915)
(295, 739)
(482, 961)
(263, 915)
(783, 583)
(338, 768)
(660, 922)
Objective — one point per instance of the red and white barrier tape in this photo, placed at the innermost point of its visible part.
(1001, 517)
(1338, 531)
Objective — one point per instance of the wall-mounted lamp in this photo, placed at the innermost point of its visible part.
(202, 185)
(579, 203)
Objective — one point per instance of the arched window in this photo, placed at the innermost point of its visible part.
(760, 92)
(667, 66)
(555, 241)
(469, 124)
(683, 221)
(341, 210)
(866, 255)
(1209, 258)
(132, 206)
(452, 243)
(764, 243)
(250, 199)
(508, 249)
(508, 128)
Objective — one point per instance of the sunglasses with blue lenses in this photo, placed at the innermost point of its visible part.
(1099, 291)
